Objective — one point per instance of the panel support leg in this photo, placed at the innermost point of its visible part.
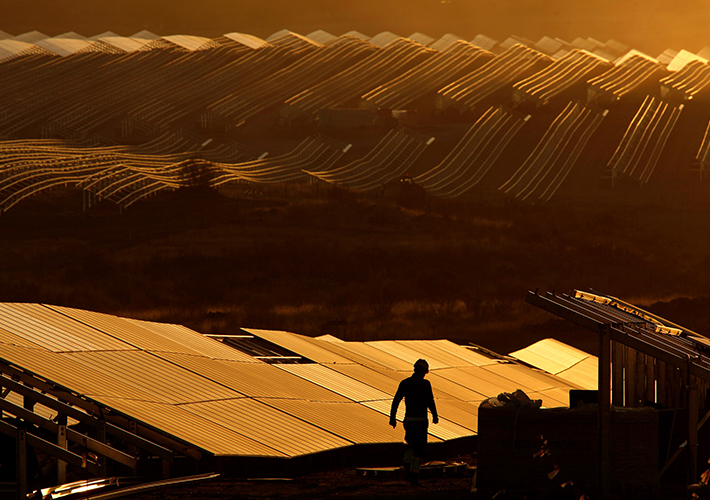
(604, 411)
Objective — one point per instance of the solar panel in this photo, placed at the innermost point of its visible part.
(55, 331)
(267, 425)
(206, 394)
(69, 373)
(161, 380)
(337, 382)
(195, 427)
(550, 355)
(351, 421)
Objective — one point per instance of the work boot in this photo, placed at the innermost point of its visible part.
(413, 478)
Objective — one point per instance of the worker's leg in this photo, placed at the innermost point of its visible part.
(416, 438)
(408, 458)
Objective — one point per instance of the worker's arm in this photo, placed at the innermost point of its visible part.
(395, 404)
(432, 407)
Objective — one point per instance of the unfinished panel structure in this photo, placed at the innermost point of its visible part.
(644, 361)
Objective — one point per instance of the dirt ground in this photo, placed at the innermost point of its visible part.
(321, 486)
(346, 484)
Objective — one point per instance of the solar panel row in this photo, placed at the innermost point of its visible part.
(225, 402)
(155, 88)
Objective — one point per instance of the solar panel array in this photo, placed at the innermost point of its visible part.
(218, 399)
(95, 96)
(542, 173)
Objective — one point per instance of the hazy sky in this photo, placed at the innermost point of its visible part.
(648, 25)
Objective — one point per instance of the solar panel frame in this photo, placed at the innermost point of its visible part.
(407, 351)
(68, 373)
(524, 377)
(254, 380)
(305, 346)
(285, 433)
(335, 381)
(198, 430)
(37, 324)
(162, 380)
(124, 329)
(351, 421)
(195, 341)
(375, 357)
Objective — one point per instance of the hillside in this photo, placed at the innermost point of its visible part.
(354, 266)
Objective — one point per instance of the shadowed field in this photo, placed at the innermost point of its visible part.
(396, 265)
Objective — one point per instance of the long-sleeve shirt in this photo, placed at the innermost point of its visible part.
(418, 398)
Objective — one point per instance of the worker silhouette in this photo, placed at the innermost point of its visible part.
(418, 398)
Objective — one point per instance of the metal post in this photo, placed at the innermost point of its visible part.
(650, 379)
(101, 436)
(692, 425)
(617, 379)
(62, 442)
(165, 469)
(631, 397)
(640, 379)
(61, 464)
(21, 464)
(133, 450)
(28, 403)
(604, 411)
(661, 378)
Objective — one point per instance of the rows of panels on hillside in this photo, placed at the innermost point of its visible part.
(178, 91)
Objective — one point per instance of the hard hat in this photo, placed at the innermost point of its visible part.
(421, 363)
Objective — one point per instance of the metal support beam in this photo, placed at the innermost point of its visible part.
(604, 411)
(61, 394)
(62, 443)
(640, 379)
(661, 384)
(182, 448)
(650, 379)
(617, 379)
(48, 401)
(631, 397)
(29, 403)
(101, 438)
(92, 444)
(634, 339)
(144, 444)
(41, 444)
(62, 422)
(563, 312)
(682, 446)
(165, 469)
(87, 419)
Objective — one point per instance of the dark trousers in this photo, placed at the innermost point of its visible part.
(415, 434)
